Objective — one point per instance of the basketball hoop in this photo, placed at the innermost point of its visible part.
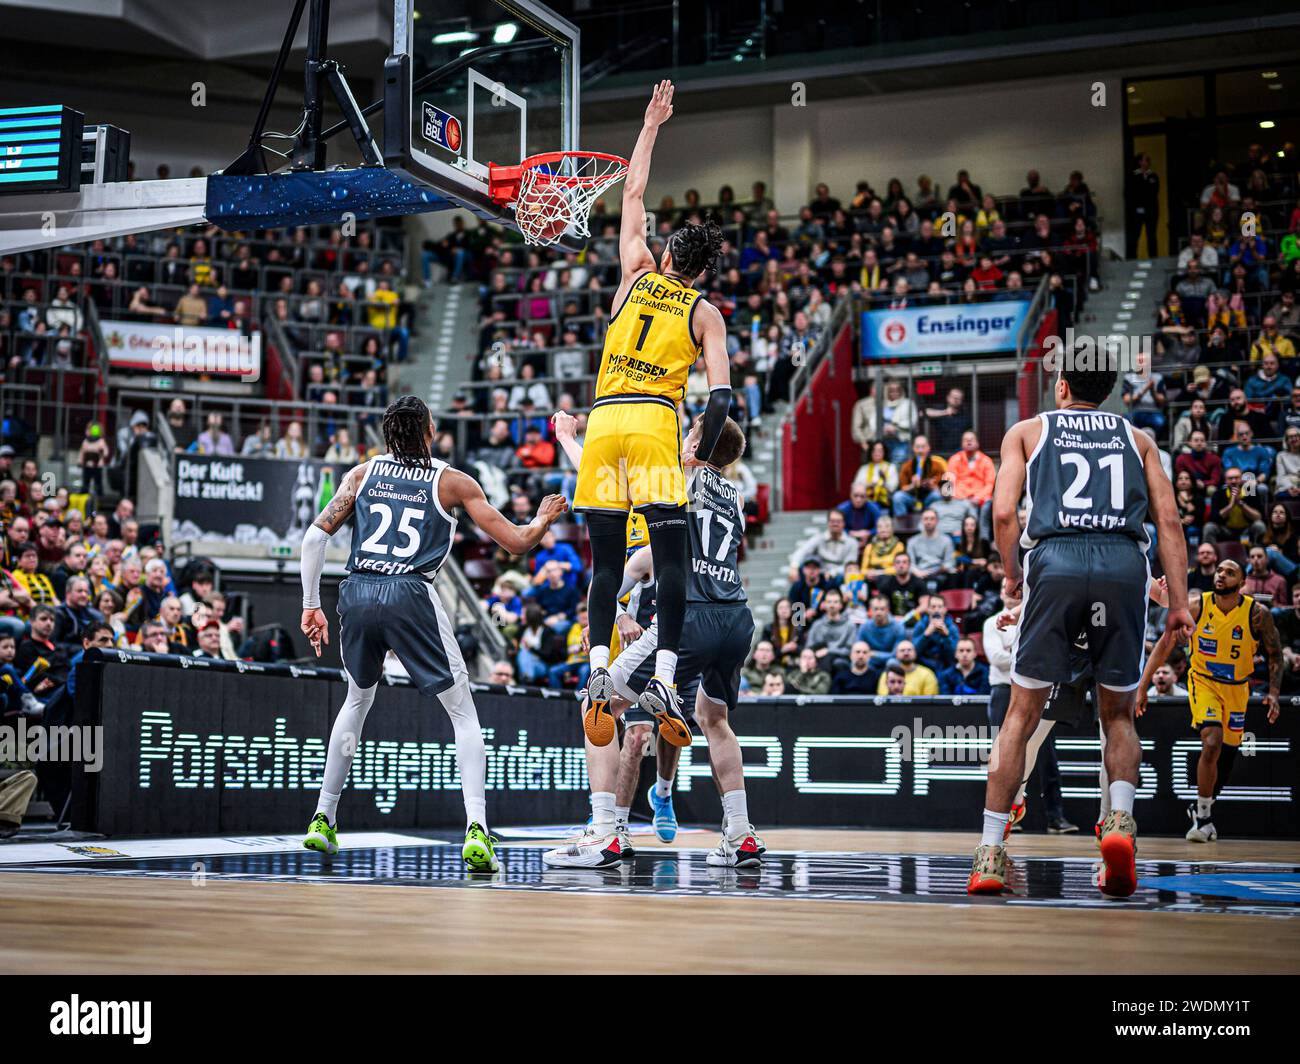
(553, 193)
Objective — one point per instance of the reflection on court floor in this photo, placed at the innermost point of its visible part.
(1167, 886)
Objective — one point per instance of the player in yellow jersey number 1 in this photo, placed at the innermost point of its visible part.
(631, 459)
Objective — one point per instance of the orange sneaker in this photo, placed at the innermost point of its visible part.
(1014, 819)
(597, 718)
(988, 875)
(1118, 876)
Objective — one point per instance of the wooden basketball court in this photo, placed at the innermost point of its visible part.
(290, 913)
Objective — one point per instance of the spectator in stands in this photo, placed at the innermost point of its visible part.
(783, 633)
(1287, 621)
(1272, 341)
(40, 643)
(208, 638)
(903, 589)
(191, 308)
(1197, 250)
(75, 613)
(773, 685)
(1280, 542)
(93, 457)
(1165, 684)
(180, 637)
(933, 555)
(760, 663)
(878, 476)
(966, 676)
(1286, 471)
(73, 564)
(1238, 410)
(555, 594)
(153, 638)
(896, 423)
(972, 552)
(860, 515)
(342, 449)
(1260, 578)
(859, 678)
(214, 439)
(918, 479)
(1144, 397)
(502, 673)
(1268, 383)
(292, 445)
(917, 678)
(949, 422)
(806, 591)
(550, 550)
(972, 473)
(29, 576)
(950, 510)
(935, 634)
(834, 549)
(832, 635)
(1200, 576)
(181, 424)
(880, 551)
(808, 678)
(1254, 460)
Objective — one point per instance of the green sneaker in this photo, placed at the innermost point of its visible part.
(321, 836)
(478, 851)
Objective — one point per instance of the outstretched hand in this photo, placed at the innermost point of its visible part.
(660, 107)
(552, 509)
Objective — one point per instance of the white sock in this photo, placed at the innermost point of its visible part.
(1121, 796)
(602, 807)
(735, 810)
(663, 787)
(345, 740)
(620, 814)
(329, 805)
(995, 826)
(471, 751)
(666, 665)
(599, 657)
(1204, 806)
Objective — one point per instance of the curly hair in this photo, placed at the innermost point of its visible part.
(405, 422)
(695, 248)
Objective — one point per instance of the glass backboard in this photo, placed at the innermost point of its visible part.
(473, 82)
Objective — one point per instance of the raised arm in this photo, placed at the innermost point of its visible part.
(633, 253)
(566, 434)
(713, 341)
(1159, 655)
(458, 489)
(315, 625)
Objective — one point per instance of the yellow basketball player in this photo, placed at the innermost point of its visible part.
(631, 459)
(1230, 629)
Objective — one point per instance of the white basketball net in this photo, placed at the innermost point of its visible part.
(555, 199)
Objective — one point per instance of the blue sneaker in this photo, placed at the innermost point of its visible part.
(665, 820)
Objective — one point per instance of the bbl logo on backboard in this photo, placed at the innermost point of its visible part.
(441, 128)
(892, 332)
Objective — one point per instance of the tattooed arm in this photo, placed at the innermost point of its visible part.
(1265, 631)
(315, 625)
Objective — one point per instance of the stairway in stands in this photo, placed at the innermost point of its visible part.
(764, 570)
(442, 357)
(1126, 306)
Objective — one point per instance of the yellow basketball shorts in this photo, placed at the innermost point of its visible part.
(631, 456)
(1218, 703)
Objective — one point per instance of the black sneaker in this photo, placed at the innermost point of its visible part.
(660, 700)
(1060, 826)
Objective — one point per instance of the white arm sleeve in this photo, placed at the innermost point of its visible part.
(314, 542)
